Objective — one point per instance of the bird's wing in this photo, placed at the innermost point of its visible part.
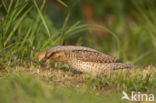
(93, 56)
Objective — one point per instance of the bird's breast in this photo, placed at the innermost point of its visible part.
(89, 67)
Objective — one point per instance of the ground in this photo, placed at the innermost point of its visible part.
(63, 85)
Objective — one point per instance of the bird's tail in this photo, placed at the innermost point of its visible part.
(116, 66)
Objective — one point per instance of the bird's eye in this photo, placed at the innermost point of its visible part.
(48, 57)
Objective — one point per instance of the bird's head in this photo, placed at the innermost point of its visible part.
(55, 55)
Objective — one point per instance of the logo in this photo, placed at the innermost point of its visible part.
(137, 96)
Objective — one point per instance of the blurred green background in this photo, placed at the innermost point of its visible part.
(124, 29)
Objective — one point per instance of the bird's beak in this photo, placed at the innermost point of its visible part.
(47, 61)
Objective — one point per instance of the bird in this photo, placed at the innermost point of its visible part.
(85, 59)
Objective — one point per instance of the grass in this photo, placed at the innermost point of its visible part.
(27, 30)
(32, 85)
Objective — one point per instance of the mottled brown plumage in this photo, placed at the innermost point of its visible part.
(85, 59)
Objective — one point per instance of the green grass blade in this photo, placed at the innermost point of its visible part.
(61, 2)
(42, 18)
(25, 38)
(72, 27)
(5, 7)
(10, 5)
(16, 26)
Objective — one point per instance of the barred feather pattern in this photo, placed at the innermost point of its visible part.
(85, 59)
